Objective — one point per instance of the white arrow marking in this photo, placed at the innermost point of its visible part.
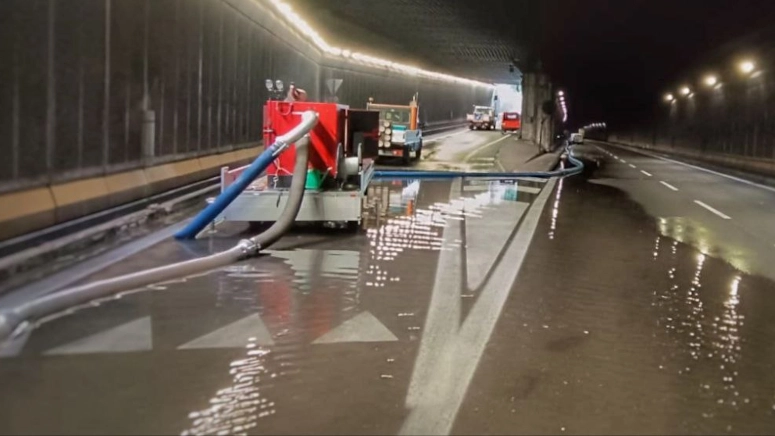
(132, 336)
(363, 327)
(234, 335)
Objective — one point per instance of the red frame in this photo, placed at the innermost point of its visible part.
(282, 116)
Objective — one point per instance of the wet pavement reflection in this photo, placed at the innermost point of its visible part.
(420, 324)
(252, 346)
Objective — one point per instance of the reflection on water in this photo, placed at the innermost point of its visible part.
(395, 223)
(706, 241)
(556, 208)
(236, 408)
(704, 325)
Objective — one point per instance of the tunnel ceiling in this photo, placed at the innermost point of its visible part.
(452, 36)
(614, 58)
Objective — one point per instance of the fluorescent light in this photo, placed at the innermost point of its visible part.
(302, 26)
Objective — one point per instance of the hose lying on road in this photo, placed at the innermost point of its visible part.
(57, 302)
(578, 167)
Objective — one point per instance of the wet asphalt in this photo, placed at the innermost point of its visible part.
(463, 307)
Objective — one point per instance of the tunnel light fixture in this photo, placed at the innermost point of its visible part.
(560, 93)
(669, 97)
(305, 29)
(711, 80)
(747, 66)
(685, 90)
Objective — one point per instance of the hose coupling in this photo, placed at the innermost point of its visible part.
(248, 247)
(279, 147)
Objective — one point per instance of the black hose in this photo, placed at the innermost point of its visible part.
(67, 298)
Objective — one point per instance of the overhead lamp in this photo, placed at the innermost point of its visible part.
(711, 80)
(685, 90)
(747, 67)
(560, 93)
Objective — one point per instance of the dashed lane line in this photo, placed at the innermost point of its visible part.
(715, 211)
(646, 173)
(669, 186)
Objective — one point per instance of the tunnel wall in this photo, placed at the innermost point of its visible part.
(732, 126)
(80, 76)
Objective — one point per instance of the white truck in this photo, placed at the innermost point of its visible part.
(482, 118)
(577, 138)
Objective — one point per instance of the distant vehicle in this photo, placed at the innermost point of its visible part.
(482, 118)
(400, 129)
(576, 138)
(512, 122)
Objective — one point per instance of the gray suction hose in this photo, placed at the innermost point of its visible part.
(59, 301)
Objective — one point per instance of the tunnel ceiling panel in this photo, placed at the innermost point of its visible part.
(475, 39)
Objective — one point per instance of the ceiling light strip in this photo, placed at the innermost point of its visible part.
(302, 26)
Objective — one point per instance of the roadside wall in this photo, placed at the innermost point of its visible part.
(81, 77)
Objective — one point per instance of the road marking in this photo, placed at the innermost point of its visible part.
(633, 166)
(450, 352)
(644, 172)
(669, 185)
(363, 327)
(431, 138)
(623, 161)
(477, 150)
(132, 336)
(717, 212)
(532, 179)
(737, 179)
(234, 335)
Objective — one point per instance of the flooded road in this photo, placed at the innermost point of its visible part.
(460, 307)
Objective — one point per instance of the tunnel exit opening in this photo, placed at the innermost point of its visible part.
(506, 98)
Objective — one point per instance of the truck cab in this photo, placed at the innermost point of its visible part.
(483, 117)
(400, 132)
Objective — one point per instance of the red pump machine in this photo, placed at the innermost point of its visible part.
(342, 149)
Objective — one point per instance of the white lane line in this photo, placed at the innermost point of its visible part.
(717, 212)
(623, 161)
(451, 350)
(737, 179)
(633, 166)
(646, 173)
(669, 185)
(433, 138)
(478, 149)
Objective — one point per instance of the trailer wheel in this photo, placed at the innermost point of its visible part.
(418, 153)
(406, 156)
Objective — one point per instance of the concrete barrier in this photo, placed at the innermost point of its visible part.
(34, 209)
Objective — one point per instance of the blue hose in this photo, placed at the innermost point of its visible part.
(308, 120)
(578, 167)
(208, 214)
